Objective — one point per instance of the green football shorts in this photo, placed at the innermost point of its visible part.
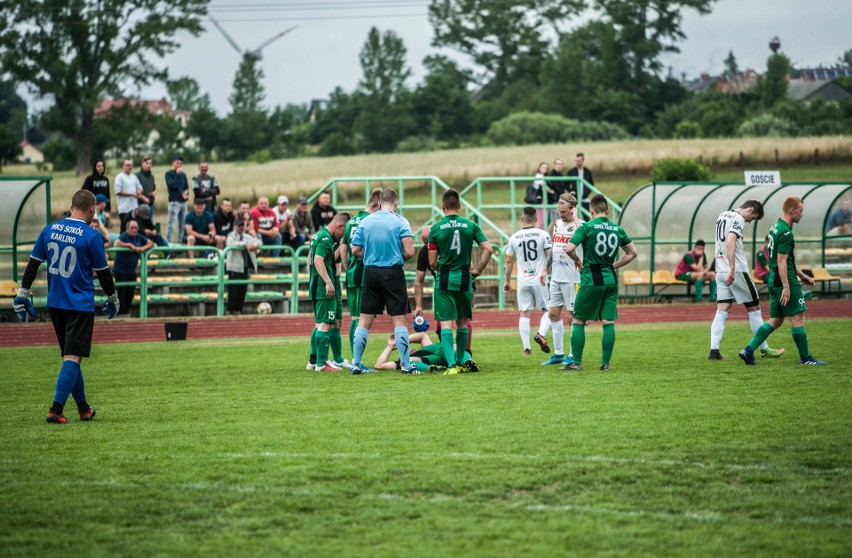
(452, 305)
(328, 310)
(684, 277)
(596, 303)
(796, 304)
(353, 297)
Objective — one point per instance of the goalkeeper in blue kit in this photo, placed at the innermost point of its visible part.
(73, 250)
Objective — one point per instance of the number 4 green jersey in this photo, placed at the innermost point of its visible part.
(453, 237)
(355, 266)
(600, 239)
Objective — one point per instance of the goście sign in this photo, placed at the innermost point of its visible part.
(762, 178)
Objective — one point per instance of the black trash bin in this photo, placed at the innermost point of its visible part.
(176, 331)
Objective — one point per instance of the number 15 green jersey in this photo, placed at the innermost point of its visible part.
(600, 239)
(453, 237)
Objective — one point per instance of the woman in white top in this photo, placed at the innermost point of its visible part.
(541, 187)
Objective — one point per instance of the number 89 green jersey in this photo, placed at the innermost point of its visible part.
(453, 237)
(600, 239)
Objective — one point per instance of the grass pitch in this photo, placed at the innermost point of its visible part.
(221, 448)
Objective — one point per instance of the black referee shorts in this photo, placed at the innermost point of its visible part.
(384, 287)
(73, 331)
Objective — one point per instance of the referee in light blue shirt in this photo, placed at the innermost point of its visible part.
(385, 241)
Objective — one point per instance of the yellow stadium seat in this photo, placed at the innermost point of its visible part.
(666, 277)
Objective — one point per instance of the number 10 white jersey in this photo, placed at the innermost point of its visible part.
(528, 246)
(730, 222)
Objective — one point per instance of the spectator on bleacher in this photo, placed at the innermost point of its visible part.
(840, 219)
(205, 187)
(580, 171)
(761, 262)
(101, 212)
(237, 263)
(286, 226)
(266, 225)
(244, 213)
(540, 186)
(142, 216)
(98, 182)
(322, 212)
(128, 190)
(95, 224)
(199, 228)
(693, 268)
(124, 264)
(555, 188)
(303, 221)
(146, 179)
(223, 219)
(178, 188)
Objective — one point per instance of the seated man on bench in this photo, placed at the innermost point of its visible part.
(693, 268)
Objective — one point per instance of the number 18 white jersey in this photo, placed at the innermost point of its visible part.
(730, 222)
(528, 246)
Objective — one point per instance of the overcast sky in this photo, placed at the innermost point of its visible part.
(322, 52)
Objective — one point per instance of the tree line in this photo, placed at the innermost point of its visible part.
(532, 78)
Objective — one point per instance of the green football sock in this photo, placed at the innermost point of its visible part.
(322, 347)
(312, 356)
(447, 346)
(336, 344)
(420, 366)
(352, 325)
(578, 342)
(461, 344)
(699, 289)
(800, 336)
(713, 290)
(608, 343)
(761, 334)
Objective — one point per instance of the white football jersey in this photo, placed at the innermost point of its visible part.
(730, 222)
(528, 246)
(563, 269)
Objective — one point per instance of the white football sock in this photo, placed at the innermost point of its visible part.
(544, 325)
(755, 320)
(717, 329)
(524, 328)
(558, 337)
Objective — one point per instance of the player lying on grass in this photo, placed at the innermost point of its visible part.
(429, 358)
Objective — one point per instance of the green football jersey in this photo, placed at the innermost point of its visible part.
(355, 267)
(600, 239)
(781, 242)
(322, 244)
(453, 237)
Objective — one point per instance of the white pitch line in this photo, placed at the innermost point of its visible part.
(701, 516)
(476, 456)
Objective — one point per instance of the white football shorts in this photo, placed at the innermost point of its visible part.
(741, 291)
(531, 297)
(562, 294)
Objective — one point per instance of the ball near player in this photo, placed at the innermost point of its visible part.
(785, 292)
(597, 298)
(530, 247)
(450, 242)
(73, 250)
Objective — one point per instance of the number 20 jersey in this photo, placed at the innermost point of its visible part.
(730, 222)
(72, 249)
(528, 246)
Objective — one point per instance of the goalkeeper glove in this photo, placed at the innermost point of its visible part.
(23, 305)
(111, 306)
(420, 324)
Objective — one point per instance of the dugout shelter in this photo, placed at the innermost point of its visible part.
(664, 219)
(24, 212)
